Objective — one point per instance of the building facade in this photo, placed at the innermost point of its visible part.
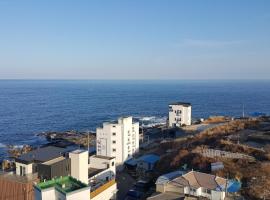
(179, 114)
(118, 139)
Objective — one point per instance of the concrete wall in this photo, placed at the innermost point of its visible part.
(79, 165)
(187, 190)
(107, 194)
(184, 117)
(174, 188)
(48, 194)
(217, 195)
(160, 188)
(82, 194)
(107, 173)
(61, 168)
(28, 168)
(53, 194)
(101, 163)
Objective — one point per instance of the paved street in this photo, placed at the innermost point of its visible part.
(124, 184)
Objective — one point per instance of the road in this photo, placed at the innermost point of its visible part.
(124, 184)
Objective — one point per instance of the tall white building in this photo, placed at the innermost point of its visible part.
(118, 139)
(179, 114)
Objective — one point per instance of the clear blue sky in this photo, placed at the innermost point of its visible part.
(136, 39)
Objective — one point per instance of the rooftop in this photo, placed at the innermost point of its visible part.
(103, 157)
(93, 171)
(165, 178)
(41, 155)
(50, 162)
(78, 151)
(149, 158)
(199, 179)
(63, 184)
(181, 103)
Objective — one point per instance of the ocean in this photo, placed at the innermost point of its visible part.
(28, 107)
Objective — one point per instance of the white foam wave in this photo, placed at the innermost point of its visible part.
(2, 145)
(150, 121)
(18, 146)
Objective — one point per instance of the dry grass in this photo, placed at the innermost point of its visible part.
(255, 175)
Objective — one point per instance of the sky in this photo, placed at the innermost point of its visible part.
(135, 39)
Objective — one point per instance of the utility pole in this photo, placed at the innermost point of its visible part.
(243, 111)
(88, 141)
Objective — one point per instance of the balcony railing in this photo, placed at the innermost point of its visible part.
(102, 188)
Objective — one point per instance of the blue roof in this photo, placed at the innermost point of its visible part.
(149, 158)
(234, 186)
(131, 162)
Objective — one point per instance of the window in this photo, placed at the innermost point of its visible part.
(114, 150)
(113, 141)
(112, 163)
(193, 190)
(113, 126)
(113, 133)
(206, 191)
(22, 171)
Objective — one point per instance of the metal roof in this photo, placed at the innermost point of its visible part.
(149, 158)
(165, 178)
(41, 155)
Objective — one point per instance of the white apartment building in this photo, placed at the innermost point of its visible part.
(118, 139)
(179, 114)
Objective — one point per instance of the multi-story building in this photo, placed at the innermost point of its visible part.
(118, 139)
(179, 114)
(93, 181)
(64, 174)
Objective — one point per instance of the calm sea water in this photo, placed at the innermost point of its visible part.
(30, 107)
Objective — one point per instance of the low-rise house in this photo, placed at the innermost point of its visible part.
(147, 162)
(48, 162)
(162, 181)
(195, 184)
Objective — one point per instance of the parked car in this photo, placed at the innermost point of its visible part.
(142, 185)
(134, 195)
